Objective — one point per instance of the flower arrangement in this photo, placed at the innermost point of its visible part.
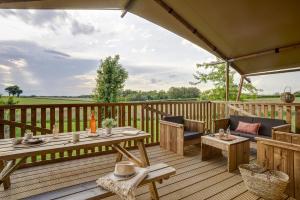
(109, 123)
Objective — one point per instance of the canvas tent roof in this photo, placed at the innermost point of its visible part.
(257, 36)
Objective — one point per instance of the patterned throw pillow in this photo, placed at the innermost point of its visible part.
(251, 128)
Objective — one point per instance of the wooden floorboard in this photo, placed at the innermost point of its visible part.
(194, 179)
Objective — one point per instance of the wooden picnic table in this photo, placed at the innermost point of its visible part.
(12, 156)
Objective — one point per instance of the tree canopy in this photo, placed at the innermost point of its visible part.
(215, 75)
(13, 90)
(111, 77)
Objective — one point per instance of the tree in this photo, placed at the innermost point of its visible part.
(19, 92)
(215, 74)
(111, 77)
(183, 92)
(13, 90)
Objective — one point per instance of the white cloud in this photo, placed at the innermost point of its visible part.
(51, 52)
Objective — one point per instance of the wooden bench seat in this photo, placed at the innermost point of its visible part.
(90, 190)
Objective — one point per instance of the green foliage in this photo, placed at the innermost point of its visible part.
(183, 92)
(13, 90)
(111, 77)
(132, 95)
(109, 123)
(8, 101)
(172, 93)
(215, 74)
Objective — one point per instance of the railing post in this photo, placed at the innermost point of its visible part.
(297, 119)
(1, 124)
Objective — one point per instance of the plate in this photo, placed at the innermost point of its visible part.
(230, 138)
(33, 141)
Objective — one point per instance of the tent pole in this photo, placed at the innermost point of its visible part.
(227, 81)
(238, 97)
(127, 7)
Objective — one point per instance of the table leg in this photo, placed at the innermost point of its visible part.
(232, 158)
(119, 155)
(209, 152)
(146, 162)
(6, 180)
(7, 168)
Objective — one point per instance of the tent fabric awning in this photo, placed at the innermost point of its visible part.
(251, 32)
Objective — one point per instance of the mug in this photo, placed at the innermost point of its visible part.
(75, 137)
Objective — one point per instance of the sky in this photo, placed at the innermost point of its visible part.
(51, 52)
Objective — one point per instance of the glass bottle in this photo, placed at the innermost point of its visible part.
(93, 123)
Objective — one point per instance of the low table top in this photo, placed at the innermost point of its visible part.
(64, 142)
(216, 139)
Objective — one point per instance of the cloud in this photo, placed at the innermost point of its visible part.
(42, 71)
(80, 28)
(46, 18)
(57, 53)
(51, 19)
(155, 81)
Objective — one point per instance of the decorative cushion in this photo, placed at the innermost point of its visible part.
(235, 119)
(250, 128)
(189, 135)
(175, 119)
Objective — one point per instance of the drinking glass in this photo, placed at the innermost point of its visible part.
(221, 132)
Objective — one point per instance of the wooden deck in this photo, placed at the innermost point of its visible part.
(194, 179)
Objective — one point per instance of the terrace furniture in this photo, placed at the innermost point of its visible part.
(177, 132)
(90, 190)
(282, 154)
(11, 157)
(266, 128)
(238, 150)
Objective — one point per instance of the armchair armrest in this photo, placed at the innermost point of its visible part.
(194, 125)
(221, 124)
(171, 124)
(281, 128)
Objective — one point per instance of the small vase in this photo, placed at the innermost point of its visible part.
(108, 131)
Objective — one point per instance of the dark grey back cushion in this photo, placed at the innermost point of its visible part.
(234, 121)
(265, 127)
(175, 119)
(267, 124)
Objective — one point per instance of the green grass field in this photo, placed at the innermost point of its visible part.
(50, 100)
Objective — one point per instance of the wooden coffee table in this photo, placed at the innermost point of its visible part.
(238, 150)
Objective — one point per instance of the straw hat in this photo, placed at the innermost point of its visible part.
(125, 170)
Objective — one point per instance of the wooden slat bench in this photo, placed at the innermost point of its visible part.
(90, 190)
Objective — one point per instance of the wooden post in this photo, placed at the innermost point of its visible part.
(240, 88)
(227, 81)
(297, 119)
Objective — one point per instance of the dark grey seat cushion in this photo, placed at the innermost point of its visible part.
(175, 119)
(190, 135)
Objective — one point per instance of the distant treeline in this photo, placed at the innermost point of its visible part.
(134, 95)
(172, 93)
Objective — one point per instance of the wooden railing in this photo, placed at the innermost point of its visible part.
(288, 112)
(16, 119)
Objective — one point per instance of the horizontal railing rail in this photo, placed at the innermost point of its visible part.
(16, 119)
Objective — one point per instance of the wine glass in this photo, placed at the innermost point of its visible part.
(221, 132)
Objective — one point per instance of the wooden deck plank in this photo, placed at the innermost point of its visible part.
(194, 179)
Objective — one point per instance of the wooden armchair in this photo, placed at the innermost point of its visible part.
(177, 132)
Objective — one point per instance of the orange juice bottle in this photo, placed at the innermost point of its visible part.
(93, 123)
